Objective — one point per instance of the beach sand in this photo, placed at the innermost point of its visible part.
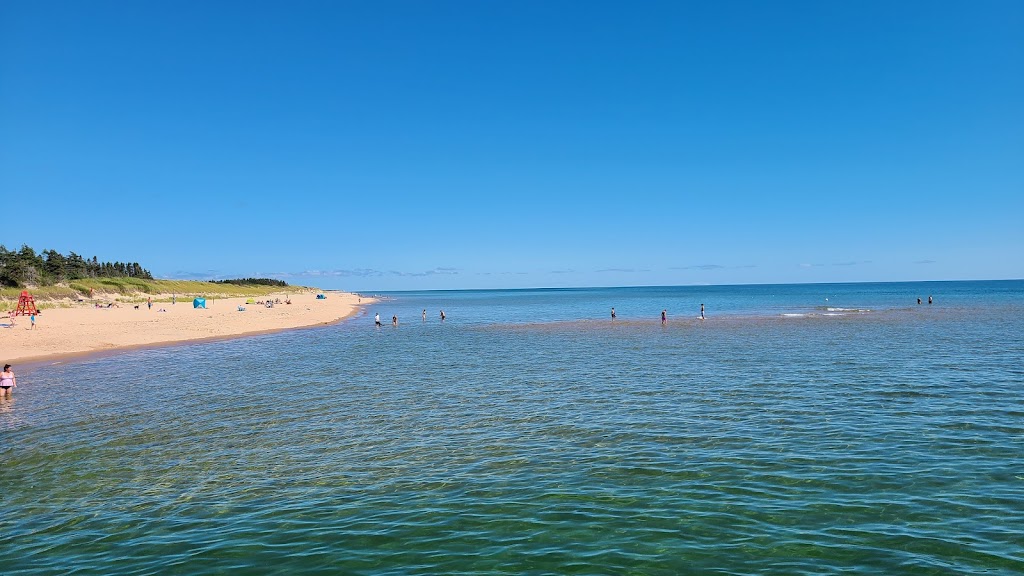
(85, 329)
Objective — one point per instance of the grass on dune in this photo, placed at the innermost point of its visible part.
(136, 290)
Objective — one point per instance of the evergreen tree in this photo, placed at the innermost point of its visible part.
(26, 266)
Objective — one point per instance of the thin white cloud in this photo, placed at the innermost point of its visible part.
(435, 272)
(190, 275)
(357, 272)
(709, 267)
(700, 267)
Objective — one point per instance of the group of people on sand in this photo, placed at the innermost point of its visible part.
(12, 316)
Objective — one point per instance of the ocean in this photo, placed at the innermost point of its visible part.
(798, 429)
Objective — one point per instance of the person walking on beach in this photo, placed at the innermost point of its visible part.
(7, 381)
(376, 319)
(613, 313)
(664, 316)
(32, 319)
(701, 311)
(149, 303)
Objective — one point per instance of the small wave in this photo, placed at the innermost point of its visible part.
(837, 309)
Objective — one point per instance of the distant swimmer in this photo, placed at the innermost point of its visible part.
(424, 314)
(701, 311)
(613, 313)
(394, 320)
(442, 316)
(929, 299)
(664, 316)
(376, 319)
(918, 301)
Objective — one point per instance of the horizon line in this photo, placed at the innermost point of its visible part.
(682, 285)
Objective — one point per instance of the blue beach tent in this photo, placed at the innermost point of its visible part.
(321, 297)
(199, 303)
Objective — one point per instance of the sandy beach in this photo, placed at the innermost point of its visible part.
(86, 329)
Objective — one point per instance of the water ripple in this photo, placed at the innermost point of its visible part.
(772, 447)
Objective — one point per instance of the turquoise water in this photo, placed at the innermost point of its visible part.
(530, 434)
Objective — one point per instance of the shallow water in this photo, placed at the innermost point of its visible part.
(529, 433)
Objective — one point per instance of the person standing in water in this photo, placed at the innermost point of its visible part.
(442, 316)
(664, 316)
(918, 301)
(613, 313)
(929, 299)
(7, 381)
(424, 314)
(376, 319)
(394, 320)
(701, 311)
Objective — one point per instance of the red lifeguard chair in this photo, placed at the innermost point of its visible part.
(26, 305)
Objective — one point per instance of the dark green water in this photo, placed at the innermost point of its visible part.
(528, 434)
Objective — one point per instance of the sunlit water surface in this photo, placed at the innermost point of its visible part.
(531, 434)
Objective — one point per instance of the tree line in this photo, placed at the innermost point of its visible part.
(252, 282)
(26, 266)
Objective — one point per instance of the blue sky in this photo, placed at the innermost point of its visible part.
(435, 145)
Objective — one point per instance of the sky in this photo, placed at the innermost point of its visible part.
(378, 146)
